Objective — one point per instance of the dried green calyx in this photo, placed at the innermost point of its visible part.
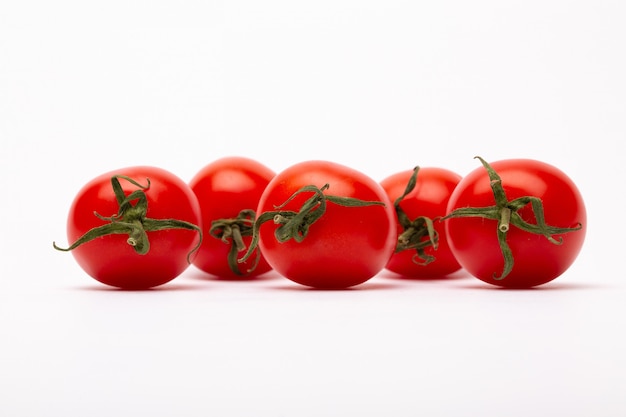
(418, 234)
(232, 231)
(295, 224)
(505, 212)
(131, 220)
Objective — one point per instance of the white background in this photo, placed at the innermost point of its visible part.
(87, 87)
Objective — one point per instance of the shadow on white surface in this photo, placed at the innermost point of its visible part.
(366, 286)
(170, 287)
(556, 286)
(196, 274)
(455, 276)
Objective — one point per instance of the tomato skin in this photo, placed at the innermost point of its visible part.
(430, 199)
(536, 260)
(347, 245)
(110, 259)
(225, 187)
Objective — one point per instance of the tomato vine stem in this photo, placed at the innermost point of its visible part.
(131, 219)
(505, 212)
(505, 219)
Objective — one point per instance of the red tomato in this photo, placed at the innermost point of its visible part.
(426, 202)
(326, 238)
(543, 236)
(229, 190)
(134, 228)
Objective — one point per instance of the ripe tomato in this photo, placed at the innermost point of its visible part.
(229, 190)
(134, 228)
(417, 210)
(334, 227)
(516, 223)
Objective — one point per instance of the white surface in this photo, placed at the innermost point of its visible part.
(86, 87)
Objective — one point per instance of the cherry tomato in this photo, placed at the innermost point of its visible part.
(516, 223)
(229, 190)
(421, 198)
(134, 228)
(333, 227)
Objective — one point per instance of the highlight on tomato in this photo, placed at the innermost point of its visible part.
(134, 228)
(420, 199)
(228, 190)
(325, 225)
(516, 223)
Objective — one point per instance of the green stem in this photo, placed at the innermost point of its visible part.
(505, 218)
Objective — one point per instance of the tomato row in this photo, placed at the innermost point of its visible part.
(514, 223)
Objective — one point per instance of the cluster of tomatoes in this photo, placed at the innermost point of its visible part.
(515, 223)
